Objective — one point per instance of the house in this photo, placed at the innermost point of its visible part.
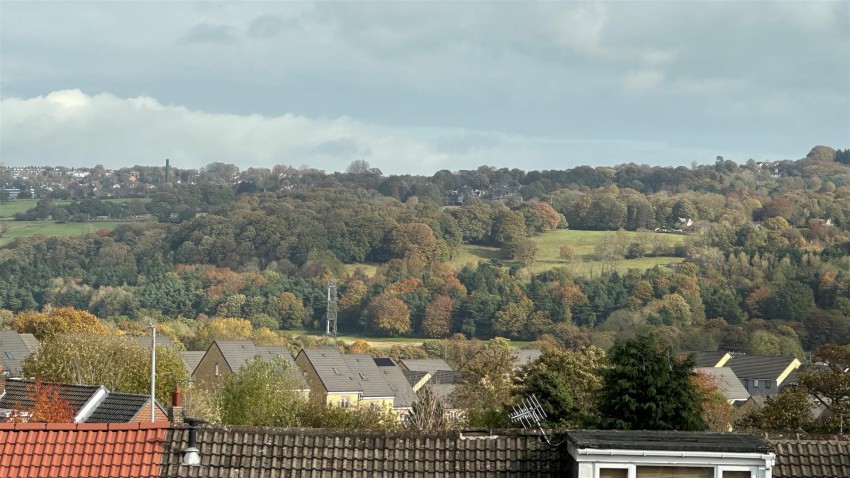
(82, 450)
(225, 357)
(90, 403)
(727, 383)
(14, 348)
(525, 357)
(191, 359)
(376, 391)
(403, 390)
(708, 358)
(663, 454)
(424, 365)
(762, 375)
(329, 378)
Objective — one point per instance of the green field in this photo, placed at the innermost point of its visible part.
(583, 243)
(49, 228)
(14, 206)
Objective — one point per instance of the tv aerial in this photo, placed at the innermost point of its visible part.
(529, 414)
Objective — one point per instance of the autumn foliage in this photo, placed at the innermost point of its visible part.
(48, 405)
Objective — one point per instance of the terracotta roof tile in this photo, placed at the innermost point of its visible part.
(812, 458)
(63, 450)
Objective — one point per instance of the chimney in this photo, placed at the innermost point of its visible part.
(176, 414)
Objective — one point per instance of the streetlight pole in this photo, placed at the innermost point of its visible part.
(153, 372)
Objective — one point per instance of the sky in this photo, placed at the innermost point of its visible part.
(418, 87)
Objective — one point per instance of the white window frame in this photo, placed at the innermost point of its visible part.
(597, 470)
(718, 471)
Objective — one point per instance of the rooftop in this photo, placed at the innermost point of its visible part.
(762, 368)
(424, 365)
(332, 370)
(60, 450)
(727, 382)
(14, 348)
(669, 441)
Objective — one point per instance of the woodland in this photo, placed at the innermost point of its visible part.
(763, 268)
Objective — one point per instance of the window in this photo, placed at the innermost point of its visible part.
(674, 472)
(336, 371)
(736, 474)
(755, 384)
(343, 402)
(767, 384)
(613, 473)
(217, 373)
(363, 376)
(9, 355)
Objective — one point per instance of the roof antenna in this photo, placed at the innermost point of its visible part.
(530, 413)
(332, 309)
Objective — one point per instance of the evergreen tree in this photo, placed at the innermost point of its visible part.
(648, 387)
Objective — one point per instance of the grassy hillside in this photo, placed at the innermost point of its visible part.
(49, 228)
(584, 244)
(14, 206)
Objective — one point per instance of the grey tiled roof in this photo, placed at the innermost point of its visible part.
(413, 377)
(321, 453)
(364, 370)
(145, 340)
(16, 394)
(812, 458)
(332, 370)
(728, 383)
(705, 358)
(444, 377)
(14, 348)
(668, 441)
(425, 365)
(120, 408)
(759, 368)
(402, 389)
(191, 359)
(525, 357)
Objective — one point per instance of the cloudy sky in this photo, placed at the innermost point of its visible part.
(415, 87)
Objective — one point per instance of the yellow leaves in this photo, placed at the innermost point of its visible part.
(64, 320)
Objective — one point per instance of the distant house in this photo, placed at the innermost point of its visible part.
(14, 348)
(525, 357)
(225, 357)
(376, 390)
(90, 403)
(727, 383)
(329, 377)
(762, 375)
(707, 358)
(424, 365)
(403, 390)
(191, 359)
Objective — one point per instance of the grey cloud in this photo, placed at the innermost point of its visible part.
(209, 33)
(341, 147)
(466, 143)
(267, 26)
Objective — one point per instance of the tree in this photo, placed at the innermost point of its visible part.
(575, 376)
(485, 384)
(648, 387)
(290, 309)
(228, 328)
(829, 382)
(389, 315)
(48, 406)
(566, 252)
(438, 317)
(262, 393)
(63, 320)
(116, 362)
(427, 413)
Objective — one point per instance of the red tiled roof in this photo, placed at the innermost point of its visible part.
(81, 450)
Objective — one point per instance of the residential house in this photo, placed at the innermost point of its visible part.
(329, 377)
(14, 348)
(762, 375)
(424, 365)
(191, 359)
(90, 403)
(525, 357)
(82, 450)
(225, 357)
(727, 383)
(708, 358)
(403, 390)
(153, 450)
(376, 391)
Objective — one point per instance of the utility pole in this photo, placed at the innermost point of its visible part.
(153, 371)
(332, 311)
